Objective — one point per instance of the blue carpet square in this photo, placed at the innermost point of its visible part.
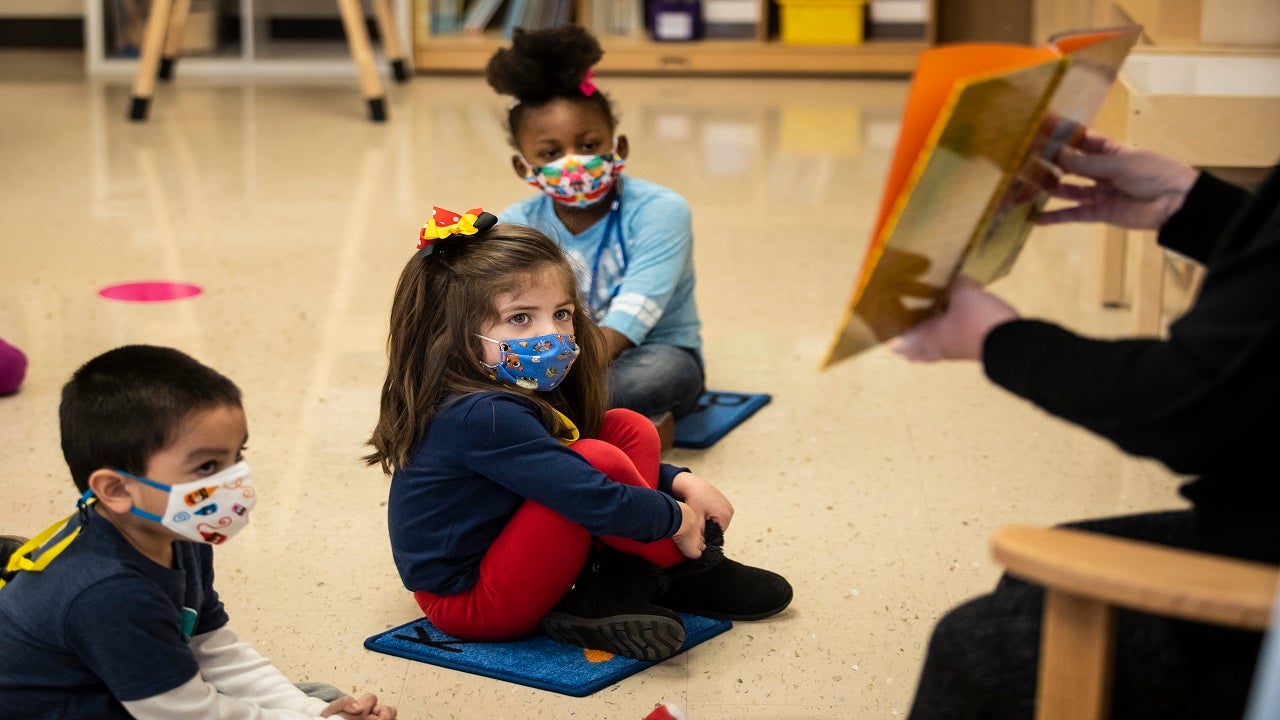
(536, 661)
(717, 413)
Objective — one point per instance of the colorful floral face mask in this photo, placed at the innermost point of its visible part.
(534, 363)
(576, 180)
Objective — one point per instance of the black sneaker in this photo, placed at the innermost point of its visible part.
(727, 590)
(642, 636)
(611, 609)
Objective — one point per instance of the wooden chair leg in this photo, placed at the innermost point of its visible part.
(173, 41)
(1077, 645)
(362, 54)
(391, 44)
(144, 82)
(1113, 262)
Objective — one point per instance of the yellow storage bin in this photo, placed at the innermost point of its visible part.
(822, 22)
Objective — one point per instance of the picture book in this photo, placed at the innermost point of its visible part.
(982, 124)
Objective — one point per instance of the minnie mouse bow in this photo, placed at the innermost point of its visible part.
(446, 223)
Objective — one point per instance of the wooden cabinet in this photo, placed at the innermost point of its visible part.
(764, 54)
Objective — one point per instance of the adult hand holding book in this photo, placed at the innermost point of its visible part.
(973, 167)
(1129, 187)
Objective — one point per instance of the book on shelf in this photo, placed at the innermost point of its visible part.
(479, 15)
(615, 18)
(981, 128)
(515, 13)
(445, 17)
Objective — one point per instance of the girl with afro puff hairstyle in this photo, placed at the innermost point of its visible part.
(630, 242)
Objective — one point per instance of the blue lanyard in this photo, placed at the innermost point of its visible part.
(613, 226)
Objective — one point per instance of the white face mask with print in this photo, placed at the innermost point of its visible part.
(209, 510)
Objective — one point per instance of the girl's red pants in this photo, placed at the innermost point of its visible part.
(539, 553)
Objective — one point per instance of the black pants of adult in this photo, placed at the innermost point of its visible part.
(983, 655)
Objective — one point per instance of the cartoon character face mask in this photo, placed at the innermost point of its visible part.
(209, 510)
(534, 363)
(576, 180)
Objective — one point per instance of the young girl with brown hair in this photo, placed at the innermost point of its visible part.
(508, 474)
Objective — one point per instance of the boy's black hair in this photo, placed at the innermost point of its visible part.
(544, 65)
(125, 405)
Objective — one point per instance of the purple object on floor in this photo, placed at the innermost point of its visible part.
(13, 368)
(150, 291)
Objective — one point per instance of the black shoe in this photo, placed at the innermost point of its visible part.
(8, 545)
(715, 586)
(610, 609)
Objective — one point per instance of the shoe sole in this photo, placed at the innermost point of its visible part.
(642, 637)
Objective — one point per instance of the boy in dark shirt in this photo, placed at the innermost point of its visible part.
(115, 614)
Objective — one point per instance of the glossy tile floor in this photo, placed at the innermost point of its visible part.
(874, 486)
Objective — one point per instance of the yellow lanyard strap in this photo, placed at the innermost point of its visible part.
(19, 560)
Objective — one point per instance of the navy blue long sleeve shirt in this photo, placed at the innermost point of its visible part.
(482, 456)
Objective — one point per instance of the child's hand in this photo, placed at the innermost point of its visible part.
(366, 707)
(704, 497)
(689, 538)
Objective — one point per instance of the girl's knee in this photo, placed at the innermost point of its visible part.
(604, 456)
(623, 418)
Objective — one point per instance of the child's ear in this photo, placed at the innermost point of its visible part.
(517, 164)
(624, 147)
(111, 490)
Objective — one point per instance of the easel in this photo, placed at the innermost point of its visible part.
(163, 38)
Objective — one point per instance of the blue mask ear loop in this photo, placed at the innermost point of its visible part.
(151, 483)
(20, 561)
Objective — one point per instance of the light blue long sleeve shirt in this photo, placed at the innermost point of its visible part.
(635, 269)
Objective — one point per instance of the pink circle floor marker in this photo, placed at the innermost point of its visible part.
(150, 291)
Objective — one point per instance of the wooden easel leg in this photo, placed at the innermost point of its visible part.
(1077, 645)
(362, 54)
(391, 39)
(173, 41)
(144, 82)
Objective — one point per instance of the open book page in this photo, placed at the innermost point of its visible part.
(1094, 60)
(966, 175)
(978, 141)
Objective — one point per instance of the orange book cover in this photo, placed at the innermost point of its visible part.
(982, 123)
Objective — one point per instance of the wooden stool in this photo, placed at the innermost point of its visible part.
(162, 39)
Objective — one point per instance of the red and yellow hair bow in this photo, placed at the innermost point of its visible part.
(446, 223)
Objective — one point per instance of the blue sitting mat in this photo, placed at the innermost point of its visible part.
(716, 414)
(536, 661)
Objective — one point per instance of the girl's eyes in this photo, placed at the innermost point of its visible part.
(550, 155)
(524, 319)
